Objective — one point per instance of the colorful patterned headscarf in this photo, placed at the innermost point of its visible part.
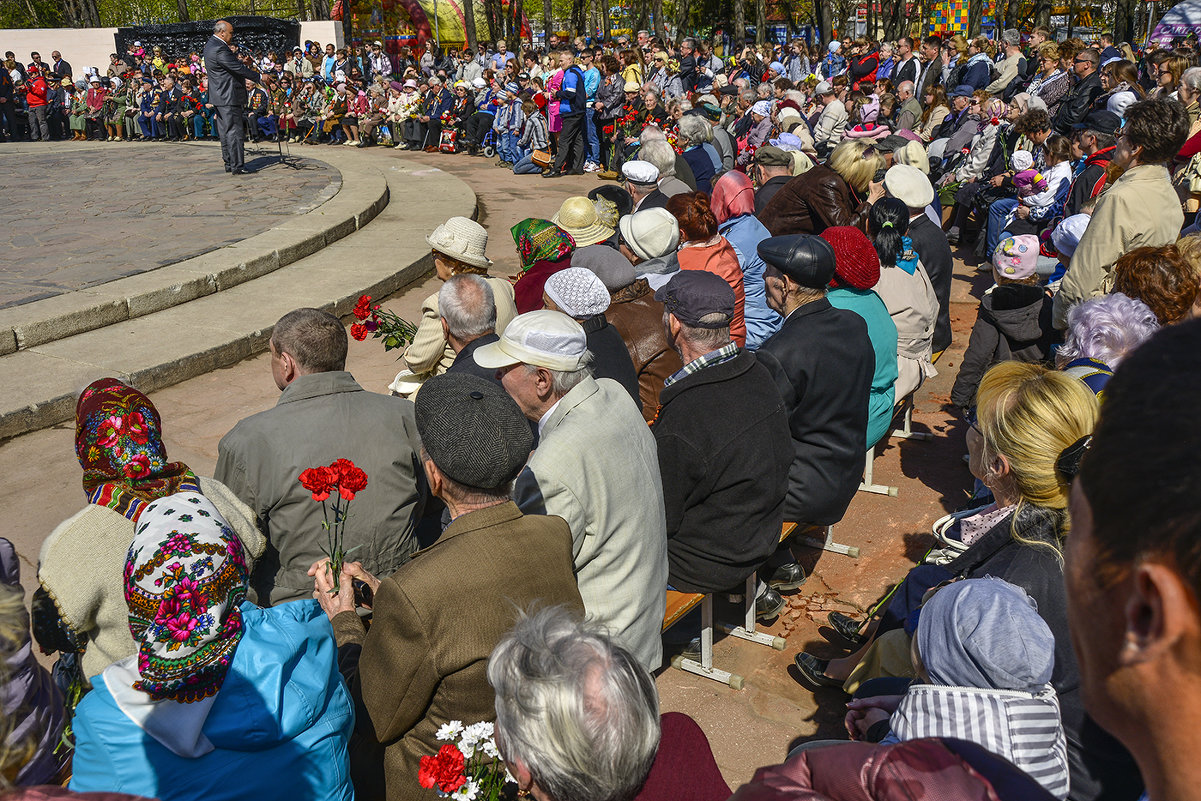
(118, 440)
(184, 578)
(541, 240)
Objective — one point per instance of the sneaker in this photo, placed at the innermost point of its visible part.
(592, 167)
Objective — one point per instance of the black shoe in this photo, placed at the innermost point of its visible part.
(228, 168)
(768, 606)
(787, 577)
(244, 171)
(847, 628)
(813, 670)
(551, 174)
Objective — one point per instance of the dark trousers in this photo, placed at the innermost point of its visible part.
(8, 120)
(573, 144)
(38, 127)
(414, 133)
(232, 133)
(477, 127)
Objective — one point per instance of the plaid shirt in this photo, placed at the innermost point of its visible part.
(722, 354)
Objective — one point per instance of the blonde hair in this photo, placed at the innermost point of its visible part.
(1030, 414)
(857, 162)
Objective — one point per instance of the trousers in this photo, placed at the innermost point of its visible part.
(572, 144)
(39, 128)
(232, 132)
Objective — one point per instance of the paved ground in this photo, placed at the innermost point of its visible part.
(83, 220)
(747, 729)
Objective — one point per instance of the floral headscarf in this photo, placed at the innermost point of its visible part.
(184, 578)
(541, 240)
(118, 440)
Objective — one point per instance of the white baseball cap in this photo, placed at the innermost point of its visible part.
(542, 338)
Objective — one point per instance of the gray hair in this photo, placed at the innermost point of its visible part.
(564, 381)
(709, 339)
(764, 91)
(749, 95)
(661, 154)
(695, 129)
(1106, 329)
(1192, 78)
(221, 26)
(574, 707)
(907, 87)
(468, 306)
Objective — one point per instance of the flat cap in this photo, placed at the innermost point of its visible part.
(691, 295)
(808, 260)
(474, 432)
(772, 156)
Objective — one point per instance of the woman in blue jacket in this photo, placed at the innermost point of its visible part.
(223, 700)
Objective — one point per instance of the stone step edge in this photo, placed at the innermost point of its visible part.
(60, 409)
(62, 316)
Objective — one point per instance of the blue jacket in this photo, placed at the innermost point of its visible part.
(744, 233)
(883, 333)
(572, 93)
(279, 725)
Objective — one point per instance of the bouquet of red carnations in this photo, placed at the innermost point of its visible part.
(396, 331)
(345, 479)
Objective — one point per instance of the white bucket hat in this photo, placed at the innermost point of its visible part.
(462, 239)
(577, 216)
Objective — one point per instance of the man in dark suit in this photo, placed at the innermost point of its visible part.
(227, 92)
(468, 310)
(423, 661)
(642, 182)
(59, 68)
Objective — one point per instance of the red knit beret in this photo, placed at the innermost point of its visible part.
(856, 263)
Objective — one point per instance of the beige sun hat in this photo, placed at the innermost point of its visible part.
(462, 239)
(577, 216)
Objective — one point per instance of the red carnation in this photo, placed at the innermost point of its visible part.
(317, 481)
(351, 479)
(358, 331)
(362, 309)
(445, 770)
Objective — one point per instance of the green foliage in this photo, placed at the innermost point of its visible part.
(31, 14)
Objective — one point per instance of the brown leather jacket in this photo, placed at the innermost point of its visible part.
(812, 202)
(638, 317)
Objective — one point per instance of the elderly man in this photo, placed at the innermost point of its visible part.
(832, 122)
(227, 94)
(771, 168)
(322, 415)
(420, 667)
(822, 362)
(910, 112)
(1140, 209)
(642, 182)
(724, 446)
(468, 311)
(596, 467)
(1010, 67)
(661, 155)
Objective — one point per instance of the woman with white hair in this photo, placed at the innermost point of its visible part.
(1100, 333)
(577, 719)
(695, 135)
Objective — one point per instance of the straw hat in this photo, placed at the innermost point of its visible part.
(462, 239)
(577, 216)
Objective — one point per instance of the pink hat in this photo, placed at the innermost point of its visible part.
(1016, 257)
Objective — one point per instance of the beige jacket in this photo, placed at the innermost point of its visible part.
(1141, 209)
(82, 567)
(913, 306)
(597, 467)
(429, 354)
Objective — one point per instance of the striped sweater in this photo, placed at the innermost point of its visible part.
(1024, 728)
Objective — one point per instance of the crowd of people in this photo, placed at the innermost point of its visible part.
(687, 359)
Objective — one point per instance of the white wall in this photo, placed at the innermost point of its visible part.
(90, 47)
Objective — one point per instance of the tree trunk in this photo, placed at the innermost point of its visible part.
(683, 7)
(824, 15)
(975, 11)
(577, 17)
(760, 21)
(657, 20)
(548, 22)
(638, 20)
(516, 7)
(469, 32)
(738, 32)
(182, 7)
(1123, 23)
(1042, 13)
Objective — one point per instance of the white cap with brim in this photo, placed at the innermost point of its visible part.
(909, 185)
(640, 172)
(543, 338)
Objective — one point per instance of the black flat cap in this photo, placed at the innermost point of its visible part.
(694, 294)
(617, 195)
(808, 260)
(473, 430)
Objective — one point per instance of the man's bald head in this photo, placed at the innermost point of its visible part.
(905, 90)
(223, 30)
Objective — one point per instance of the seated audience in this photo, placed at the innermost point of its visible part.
(543, 249)
(650, 239)
(597, 468)
(467, 309)
(733, 205)
(222, 699)
(771, 170)
(419, 667)
(322, 414)
(702, 247)
(1159, 277)
(642, 182)
(79, 608)
(1100, 333)
(839, 192)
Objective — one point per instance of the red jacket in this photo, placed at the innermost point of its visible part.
(35, 91)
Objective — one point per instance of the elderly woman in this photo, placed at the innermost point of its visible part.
(1050, 83)
(217, 685)
(695, 135)
(1160, 277)
(77, 106)
(458, 247)
(702, 247)
(905, 288)
(1100, 333)
(1024, 446)
(577, 719)
(733, 206)
(760, 131)
(839, 192)
(80, 607)
(543, 249)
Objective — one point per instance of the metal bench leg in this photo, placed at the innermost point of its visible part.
(906, 430)
(830, 545)
(866, 485)
(747, 631)
(705, 666)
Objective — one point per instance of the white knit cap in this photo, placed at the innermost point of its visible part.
(578, 293)
(462, 239)
(650, 233)
(543, 338)
(1022, 160)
